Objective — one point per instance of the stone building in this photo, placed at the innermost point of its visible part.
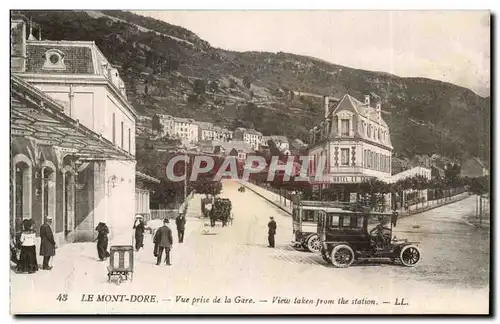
(72, 138)
(354, 141)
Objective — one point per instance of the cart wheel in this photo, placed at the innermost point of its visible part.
(313, 243)
(342, 256)
(409, 255)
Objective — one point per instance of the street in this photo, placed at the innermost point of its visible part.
(452, 277)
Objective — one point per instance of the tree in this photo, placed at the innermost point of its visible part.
(214, 86)
(199, 86)
(247, 82)
(156, 125)
(206, 186)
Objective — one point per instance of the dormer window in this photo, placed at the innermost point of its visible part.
(54, 60)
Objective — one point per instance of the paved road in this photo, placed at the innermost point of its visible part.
(452, 277)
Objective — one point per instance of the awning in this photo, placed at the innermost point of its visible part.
(146, 177)
(35, 115)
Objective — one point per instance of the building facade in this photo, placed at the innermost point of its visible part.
(72, 138)
(208, 131)
(249, 136)
(353, 140)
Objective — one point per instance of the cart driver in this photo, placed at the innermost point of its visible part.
(379, 231)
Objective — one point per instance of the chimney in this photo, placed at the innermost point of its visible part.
(327, 104)
(378, 109)
(31, 37)
(18, 43)
(367, 100)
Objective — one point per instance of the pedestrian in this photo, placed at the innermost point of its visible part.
(271, 232)
(394, 218)
(13, 248)
(180, 221)
(27, 260)
(47, 243)
(139, 232)
(163, 241)
(102, 241)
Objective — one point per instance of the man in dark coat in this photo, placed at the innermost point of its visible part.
(180, 221)
(139, 232)
(271, 232)
(47, 244)
(163, 241)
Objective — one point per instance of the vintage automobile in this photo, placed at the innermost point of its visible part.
(345, 237)
(305, 218)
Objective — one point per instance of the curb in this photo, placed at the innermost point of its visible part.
(268, 200)
(433, 207)
(401, 215)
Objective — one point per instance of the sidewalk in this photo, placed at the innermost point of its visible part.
(279, 202)
(77, 264)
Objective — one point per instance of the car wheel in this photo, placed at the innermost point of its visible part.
(409, 255)
(313, 243)
(342, 256)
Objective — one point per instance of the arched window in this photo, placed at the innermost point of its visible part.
(21, 190)
(69, 200)
(49, 191)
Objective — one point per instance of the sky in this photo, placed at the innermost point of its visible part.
(451, 46)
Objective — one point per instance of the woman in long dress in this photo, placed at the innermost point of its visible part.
(27, 260)
(139, 232)
(102, 241)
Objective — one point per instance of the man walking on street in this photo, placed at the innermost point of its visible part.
(47, 243)
(271, 232)
(163, 241)
(180, 221)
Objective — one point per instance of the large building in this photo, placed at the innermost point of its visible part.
(208, 131)
(72, 138)
(249, 136)
(353, 139)
(181, 128)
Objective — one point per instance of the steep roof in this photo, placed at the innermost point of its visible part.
(238, 145)
(279, 138)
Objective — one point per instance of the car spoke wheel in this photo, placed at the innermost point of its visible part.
(313, 243)
(409, 255)
(342, 256)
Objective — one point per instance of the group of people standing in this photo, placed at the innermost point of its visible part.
(27, 261)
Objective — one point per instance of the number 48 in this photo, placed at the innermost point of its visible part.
(62, 297)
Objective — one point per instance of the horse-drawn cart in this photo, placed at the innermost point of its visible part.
(221, 211)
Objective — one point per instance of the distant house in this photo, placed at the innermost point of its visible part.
(239, 149)
(249, 136)
(437, 172)
(281, 142)
(473, 167)
(416, 171)
(211, 147)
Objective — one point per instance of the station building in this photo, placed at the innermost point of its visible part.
(72, 138)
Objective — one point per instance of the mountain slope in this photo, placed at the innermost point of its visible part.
(168, 69)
